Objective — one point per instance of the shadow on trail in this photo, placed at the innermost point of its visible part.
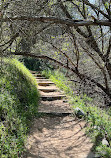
(58, 137)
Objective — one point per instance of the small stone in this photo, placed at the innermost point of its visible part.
(96, 128)
(97, 156)
(105, 142)
(79, 113)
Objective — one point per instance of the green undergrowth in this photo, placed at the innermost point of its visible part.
(99, 122)
(18, 105)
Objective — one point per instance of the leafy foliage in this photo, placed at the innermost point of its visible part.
(36, 64)
(50, 28)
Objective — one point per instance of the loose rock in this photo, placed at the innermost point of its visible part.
(97, 128)
(105, 142)
(79, 113)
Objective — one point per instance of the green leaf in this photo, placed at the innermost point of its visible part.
(107, 5)
(65, 49)
(52, 37)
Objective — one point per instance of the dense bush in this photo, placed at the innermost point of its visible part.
(36, 64)
(18, 105)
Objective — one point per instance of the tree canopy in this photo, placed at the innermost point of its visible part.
(76, 34)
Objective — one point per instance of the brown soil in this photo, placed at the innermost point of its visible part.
(57, 137)
(57, 106)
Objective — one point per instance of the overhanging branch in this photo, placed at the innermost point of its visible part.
(94, 7)
(69, 22)
(43, 57)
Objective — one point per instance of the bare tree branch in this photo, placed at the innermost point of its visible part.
(11, 40)
(108, 10)
(108, 50)
(99, 66)
(69, 59)
(28, 54)
(70, 17)
(69, 22)
(93, 7)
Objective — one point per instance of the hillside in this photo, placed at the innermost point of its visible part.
(18, 105)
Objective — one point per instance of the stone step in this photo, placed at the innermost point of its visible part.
(52, 86)
(43, 80)
(52, 97)
(55, 114)
(37, 75)
(48, 90)
(33, 72)
(45, 83)
(51, 93)
(38, 78)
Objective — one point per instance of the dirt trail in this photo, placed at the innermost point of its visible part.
(57, 134)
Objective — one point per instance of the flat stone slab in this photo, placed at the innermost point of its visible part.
(52, 86)
(38, 78)
(37, 75)
(48, 83)
(54, 114)
(51, 93)
(33, 72)
(51, 97)
(43, 80)
(48, 90)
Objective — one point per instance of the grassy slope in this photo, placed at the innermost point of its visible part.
(99, 121)
(18, 105)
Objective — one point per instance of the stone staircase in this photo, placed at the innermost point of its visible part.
(53, 101)
(56, 133)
